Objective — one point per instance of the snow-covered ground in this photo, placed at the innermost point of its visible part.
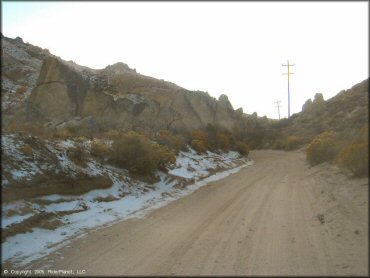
(126, 198)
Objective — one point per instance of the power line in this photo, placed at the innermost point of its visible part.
(288, 73)
(278, 106)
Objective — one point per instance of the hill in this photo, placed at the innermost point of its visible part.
(54, 92)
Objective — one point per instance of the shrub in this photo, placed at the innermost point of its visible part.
(365, 133)
(135, 153)
(26, 150)
(223, 141)
(199, 135)
(199, 146)
(74, 130)
(21, 90)
(355, 158)
(242, 148)
(278, 144)
(111, 134)
(77, 155)
(62, 133)
(99, 149)
(175, 142)
(163, 157)
(293, 142)
(322, 148)
(199, 141)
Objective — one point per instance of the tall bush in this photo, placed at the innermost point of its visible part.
(242, 148)
(136, 153)
(322, 148)
(355, 159)
(293, 142)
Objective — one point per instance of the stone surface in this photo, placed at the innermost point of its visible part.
(118, 97)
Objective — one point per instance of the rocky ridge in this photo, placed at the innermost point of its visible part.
(55, 93)
(347, 112)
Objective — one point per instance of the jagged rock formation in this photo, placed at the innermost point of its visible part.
(315, 106)
(21, 65)
(118, 97)
(346, 113)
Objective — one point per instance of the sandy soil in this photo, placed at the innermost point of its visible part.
(277, 217)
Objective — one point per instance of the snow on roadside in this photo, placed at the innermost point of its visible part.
(98, 208)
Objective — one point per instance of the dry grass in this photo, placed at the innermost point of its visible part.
(48, 184)
(109, 198)
(26, 150)
(99, 149)
(21, 90)
(46, 220)
(43, 202)
(322, 148)
(355, 159)
(77, 155)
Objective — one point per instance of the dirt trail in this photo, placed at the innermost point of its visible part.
(277, 217)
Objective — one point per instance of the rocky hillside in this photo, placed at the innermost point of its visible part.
(57, 93)
(40, 88)
(21, 64)
(345, 113)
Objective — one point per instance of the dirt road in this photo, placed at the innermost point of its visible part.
(277, 217)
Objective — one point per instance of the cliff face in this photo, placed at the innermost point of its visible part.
(118, 97)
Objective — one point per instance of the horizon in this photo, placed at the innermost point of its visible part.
(192, 65)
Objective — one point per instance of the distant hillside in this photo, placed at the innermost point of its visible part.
(344, 113)
(347, 114)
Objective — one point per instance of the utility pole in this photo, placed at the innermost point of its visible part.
(288, 73)
(278, 106)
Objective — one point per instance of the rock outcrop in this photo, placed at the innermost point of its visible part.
(316, 106)
(20, 68)
(118, 97)
(346, 112)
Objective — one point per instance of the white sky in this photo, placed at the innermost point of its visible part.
(232, 48)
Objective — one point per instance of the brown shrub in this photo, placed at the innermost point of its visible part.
(223, 141)
(81, 139)
(322, 148)
(242, 148)
(365, 133)
(134, 151)
(199, 135)
(99, 149)
(293, 142)
(108, 198)
(51, 183)
(44, 220)
(175, 142)
(26, 150)
(199, 141)
(355, 158)
(111, 134)
(62, 133)
(77, 155)
(199, 146)
(163, 157)
(21, 90)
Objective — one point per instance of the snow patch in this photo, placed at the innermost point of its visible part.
(126, 198)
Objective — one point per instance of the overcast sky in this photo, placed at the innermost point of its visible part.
(232, 48)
